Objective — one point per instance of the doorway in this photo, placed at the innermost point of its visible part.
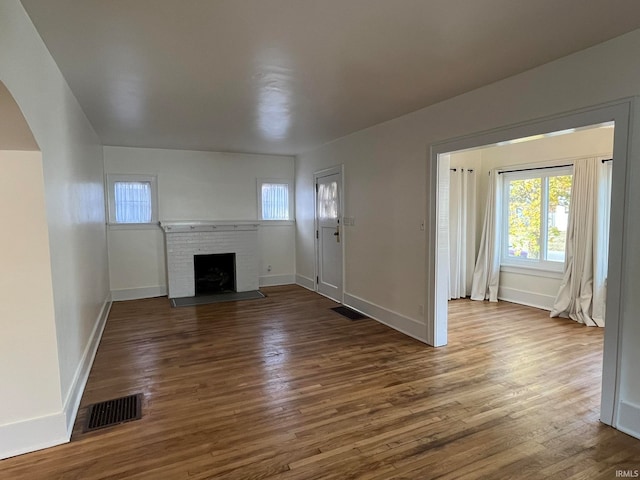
(437, 281)
(329, 234)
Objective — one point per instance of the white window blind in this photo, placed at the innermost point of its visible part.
(275, 201)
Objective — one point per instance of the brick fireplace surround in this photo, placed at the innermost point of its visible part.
(183, 240)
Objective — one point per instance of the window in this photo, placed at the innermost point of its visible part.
(535, 216)
(274, 200)
(132, 199)
(328, 201)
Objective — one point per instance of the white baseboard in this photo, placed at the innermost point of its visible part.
(406, 325)
(629, 419)
(306, 282)
(72, 401)
(138, 293)
(33, 434)
(530, 299)
(273, 280)
(43, 432)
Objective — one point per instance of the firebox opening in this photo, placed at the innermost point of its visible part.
(215, 273)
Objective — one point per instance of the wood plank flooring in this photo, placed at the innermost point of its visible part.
(284, 388)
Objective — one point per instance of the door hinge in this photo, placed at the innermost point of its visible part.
(317, 279)
(317, 234)
(316, 188)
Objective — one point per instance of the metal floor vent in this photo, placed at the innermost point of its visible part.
(349, 313)
(113, 412)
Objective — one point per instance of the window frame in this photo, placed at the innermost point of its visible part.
(112, 179)
(290, 192)
(542, 173)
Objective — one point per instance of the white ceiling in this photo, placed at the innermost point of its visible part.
(283, 76)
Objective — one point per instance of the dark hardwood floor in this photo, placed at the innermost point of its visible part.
(285, 388)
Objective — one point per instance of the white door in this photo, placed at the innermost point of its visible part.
(329, 233)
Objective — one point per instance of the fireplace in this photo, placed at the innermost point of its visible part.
(185, 241)
(214, 273)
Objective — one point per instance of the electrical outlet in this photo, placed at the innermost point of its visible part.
(268, 268)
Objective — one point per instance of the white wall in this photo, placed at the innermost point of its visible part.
(74, 198)
(197, 186)
(467, 159)
(29, 368)
(531, 287)
(386, 181)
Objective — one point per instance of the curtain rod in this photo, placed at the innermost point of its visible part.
(462, 169)
(534, 168)
(544, 168)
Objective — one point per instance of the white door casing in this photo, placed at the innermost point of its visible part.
(329, 234)
(619, 112)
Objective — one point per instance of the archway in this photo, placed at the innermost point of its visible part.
(31, 416)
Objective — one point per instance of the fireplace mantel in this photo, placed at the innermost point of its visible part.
(207, 225)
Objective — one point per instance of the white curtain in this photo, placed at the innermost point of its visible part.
(275, 201)
(601, 266)
(486, 274)
(461, 231)
(583, 289)
(132, 202)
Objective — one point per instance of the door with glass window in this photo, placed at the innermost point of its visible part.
(329, 233)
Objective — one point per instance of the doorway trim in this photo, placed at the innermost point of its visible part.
(339, 169)
(436, 296)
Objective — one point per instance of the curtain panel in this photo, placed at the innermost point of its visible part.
(462, 232)
(486, 275)
(582, 292)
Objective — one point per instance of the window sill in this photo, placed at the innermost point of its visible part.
(532, 271)
(133, 226)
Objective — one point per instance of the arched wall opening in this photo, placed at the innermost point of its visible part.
(29, 368)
